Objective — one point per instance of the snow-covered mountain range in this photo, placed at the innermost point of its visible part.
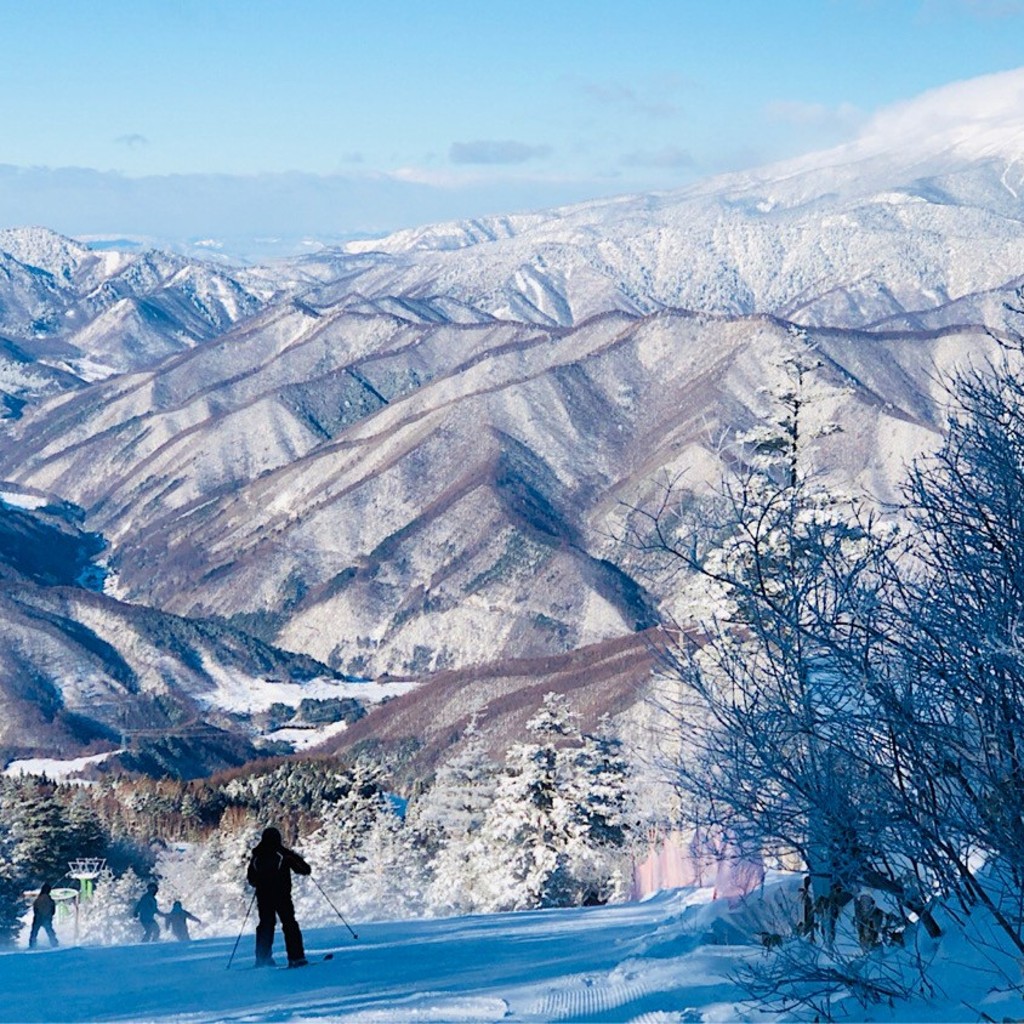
(69, 314)
(922, 209)
(418, 454)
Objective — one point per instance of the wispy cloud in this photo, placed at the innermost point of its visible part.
(668, 157)
(133, 140)
(657, 99)
(815, 115)
(491, 151)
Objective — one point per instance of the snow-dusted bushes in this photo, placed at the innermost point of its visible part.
(107, 919)
(209, 878)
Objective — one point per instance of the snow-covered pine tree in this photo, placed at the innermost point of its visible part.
(12, 905)
(41, 835)
(462, 790)
(522, 850)
(797, 403)
(106, 919)
(331, 850)
(446, 818)
(86, 835)
(597, 788)
(387, 876)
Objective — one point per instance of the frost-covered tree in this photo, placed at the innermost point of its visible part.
(781, 728)
(537, 842)
(853, 694)
(961, 709)
(797, 401)
(333, 849)
(388, 874)
(447, 817)
(12, 905)
(86, 834)
(598, 790)
(107, 919)
(517, 848)
(463, 788)
(787, 680)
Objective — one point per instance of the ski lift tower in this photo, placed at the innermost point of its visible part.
(66, 900)
(86, 870)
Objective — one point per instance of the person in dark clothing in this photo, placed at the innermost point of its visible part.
(869, 919)
(146, 911)
(805, 926)
(270, 874)
(177, 919)
(829, 908)
(42, 916)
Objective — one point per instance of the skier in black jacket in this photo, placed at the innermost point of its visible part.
(270, 874)
(43, 907)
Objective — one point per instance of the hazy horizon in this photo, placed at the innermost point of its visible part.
(233, 122)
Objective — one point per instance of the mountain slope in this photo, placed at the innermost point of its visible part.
(70, 314)
(397, 497)
(82, 672)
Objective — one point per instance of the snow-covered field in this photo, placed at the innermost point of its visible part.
(54, 767)
(669, 960)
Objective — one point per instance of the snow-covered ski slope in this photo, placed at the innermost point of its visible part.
(670, 960)
(547, 965)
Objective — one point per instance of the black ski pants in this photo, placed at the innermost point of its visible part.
(273, 906)
(46, 924)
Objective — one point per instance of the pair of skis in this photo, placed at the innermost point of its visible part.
(310, 960)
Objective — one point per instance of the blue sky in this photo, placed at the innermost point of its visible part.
(342, 116)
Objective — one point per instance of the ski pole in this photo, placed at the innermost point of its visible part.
(333, 907)
(242, 929)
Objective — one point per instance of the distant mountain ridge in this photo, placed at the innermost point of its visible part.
(69, 315)
(419, 455)
(922, 209)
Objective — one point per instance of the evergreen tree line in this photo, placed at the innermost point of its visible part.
(548, 827)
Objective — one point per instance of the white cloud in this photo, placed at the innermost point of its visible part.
(979, 113)
(845, 116)
(491, 151)
(668, 157)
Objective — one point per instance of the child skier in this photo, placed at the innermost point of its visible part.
(177, 919)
